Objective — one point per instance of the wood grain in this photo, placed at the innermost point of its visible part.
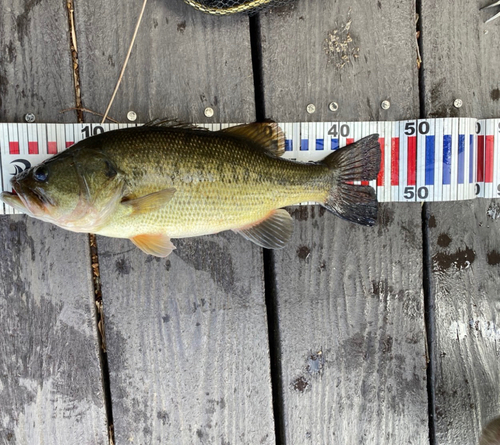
(309, 57)
(36, 68)
(349, 299)
(465, 280)
(50, 380)
(183, 61)
(187, 342)
(186, 336)
(460, 61)
(50, 377)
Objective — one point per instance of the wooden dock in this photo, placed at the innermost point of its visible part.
(349, 335)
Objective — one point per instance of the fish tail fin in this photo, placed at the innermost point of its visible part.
(359, 161)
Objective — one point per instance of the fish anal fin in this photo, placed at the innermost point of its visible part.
(154, 244)
(271, 232)
(266, 135)
(150, 202)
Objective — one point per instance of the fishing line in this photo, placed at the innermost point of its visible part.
(126, 61)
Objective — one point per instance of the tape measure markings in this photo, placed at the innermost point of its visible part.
(441, 159)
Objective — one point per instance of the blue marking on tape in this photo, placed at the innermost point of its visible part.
(471, 159)
(304, 144)
(461, 158)
(335, 144)
(430, 156)
(320, 144)
(447, 159)
(288, 145)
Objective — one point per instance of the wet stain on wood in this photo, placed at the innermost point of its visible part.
(461, 259)
(443, 240)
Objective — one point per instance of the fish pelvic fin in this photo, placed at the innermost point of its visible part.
(267, 136)
(154, 244)
(271, 232)
(359, 161)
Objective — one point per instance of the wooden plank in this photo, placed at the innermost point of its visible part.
(186, 336)
(50, 379)
(35, 73)
(349, 299)
(465, 282)
(183, 61)
(187, 342)
(356, 54)
(460, 61)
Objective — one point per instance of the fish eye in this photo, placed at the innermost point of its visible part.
(41, 173)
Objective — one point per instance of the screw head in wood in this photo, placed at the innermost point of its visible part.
(209, 112)
(311, 108)
(385, 105)
(458, 103)
(29, 117)
(333, 106)
(132, 116)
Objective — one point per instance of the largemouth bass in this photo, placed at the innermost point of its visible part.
(163, 181)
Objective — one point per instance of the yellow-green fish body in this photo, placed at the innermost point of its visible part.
(155, 182)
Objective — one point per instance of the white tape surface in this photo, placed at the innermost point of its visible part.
(443, 159)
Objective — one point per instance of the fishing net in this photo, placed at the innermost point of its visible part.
(226, 7)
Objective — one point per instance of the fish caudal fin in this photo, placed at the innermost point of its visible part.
(359, 161)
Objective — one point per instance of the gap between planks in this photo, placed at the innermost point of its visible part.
(94, 257)
(429, 298)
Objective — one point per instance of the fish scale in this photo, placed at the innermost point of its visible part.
(213, 198)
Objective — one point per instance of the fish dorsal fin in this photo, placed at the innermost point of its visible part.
(272, 232)
(173, 123)
(267, 135)
(150, 202)
(154, 244)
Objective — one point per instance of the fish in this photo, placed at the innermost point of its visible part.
(166, 180)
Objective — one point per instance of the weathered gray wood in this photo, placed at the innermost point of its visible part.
(187, 342)
(461, 61)
(36, 67)
(351, 328)
(303, 64)
(187, 336)
(464, 245)
(183, 61)
(349, 299)
(50, 380)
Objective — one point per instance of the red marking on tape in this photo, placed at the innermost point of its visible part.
(13, 147)
(33, 148)
(395, 161)
(69, 144)
(480, 158)
(52, 148)
(411, 177)
(488, 164)
(380, 177)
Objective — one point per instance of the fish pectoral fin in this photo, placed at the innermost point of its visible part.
(154, 244)
(272, 232)
(266, 135)
(150, 202)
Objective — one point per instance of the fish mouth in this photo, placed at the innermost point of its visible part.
(34, 202)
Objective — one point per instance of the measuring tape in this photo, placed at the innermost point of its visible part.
(445, 159)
